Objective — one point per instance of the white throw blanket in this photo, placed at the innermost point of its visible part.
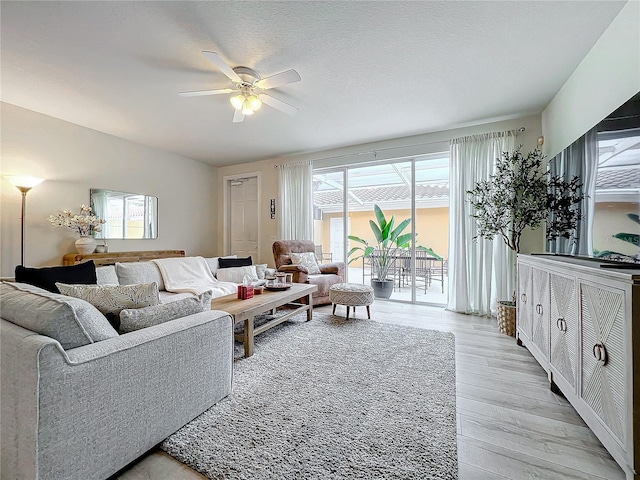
(191, 274)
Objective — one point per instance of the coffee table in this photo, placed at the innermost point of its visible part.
(246, 310)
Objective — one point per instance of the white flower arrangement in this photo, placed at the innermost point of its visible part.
(85, 223)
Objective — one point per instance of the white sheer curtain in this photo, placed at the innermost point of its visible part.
(100, 207)
(480, 270)
(296, 201)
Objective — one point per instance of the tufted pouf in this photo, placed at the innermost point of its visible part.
(351, 295)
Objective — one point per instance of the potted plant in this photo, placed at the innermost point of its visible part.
(522, 194)
(388, 237)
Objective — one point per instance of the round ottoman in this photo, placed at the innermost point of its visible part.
(351, 295)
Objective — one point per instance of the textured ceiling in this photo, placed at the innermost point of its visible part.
(370, 70)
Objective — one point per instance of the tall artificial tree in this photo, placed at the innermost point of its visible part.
(522, 193)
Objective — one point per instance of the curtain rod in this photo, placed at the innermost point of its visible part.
(375, 151)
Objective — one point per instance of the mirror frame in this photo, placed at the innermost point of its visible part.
(102, 235)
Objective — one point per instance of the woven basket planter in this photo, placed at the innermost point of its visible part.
(507, 318)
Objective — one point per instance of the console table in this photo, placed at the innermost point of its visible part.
(101, 259)
(581, 322)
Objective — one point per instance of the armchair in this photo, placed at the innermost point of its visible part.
(330, 273)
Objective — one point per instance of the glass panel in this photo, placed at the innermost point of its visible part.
(432, 228)
(127, 215)
(328, 220)
(616, 222)
(389, 187)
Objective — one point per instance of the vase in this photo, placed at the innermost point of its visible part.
(86, 244)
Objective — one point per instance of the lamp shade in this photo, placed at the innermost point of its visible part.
(237, 101)
(254, 102)
(24, 183)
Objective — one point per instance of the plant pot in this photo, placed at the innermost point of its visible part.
(507, 317)
(382, 288)
(86, 245)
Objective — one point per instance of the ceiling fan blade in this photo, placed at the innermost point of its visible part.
(238, 116)
(279, 79)
(222, 66)
(207, 92)
(278, 104)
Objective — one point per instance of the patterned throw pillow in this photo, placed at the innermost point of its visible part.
(306, 259)
(111, 299)
(136, 318)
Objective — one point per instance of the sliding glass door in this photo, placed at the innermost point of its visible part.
(415, 191)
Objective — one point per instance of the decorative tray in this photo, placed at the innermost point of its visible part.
(278, 288)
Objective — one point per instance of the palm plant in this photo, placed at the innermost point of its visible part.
(388, 238)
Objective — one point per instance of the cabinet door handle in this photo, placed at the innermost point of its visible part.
(561, 323)
(600, 353)
(539, 309)
(523, 297)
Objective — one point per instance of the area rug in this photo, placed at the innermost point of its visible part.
(332, 399)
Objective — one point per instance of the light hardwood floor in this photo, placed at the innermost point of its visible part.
(510, 425)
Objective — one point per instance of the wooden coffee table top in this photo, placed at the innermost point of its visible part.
(268, 300)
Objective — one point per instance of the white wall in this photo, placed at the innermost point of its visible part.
(73, 159)
(606, 78)
(407, 146)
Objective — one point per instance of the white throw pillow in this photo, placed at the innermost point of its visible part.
(306, 259)
(236, 274)
(261, 270)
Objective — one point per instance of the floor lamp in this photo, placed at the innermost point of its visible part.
(24, 184)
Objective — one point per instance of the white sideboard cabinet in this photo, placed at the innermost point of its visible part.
(581, 321)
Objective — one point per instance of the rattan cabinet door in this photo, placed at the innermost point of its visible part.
(563, 330)
(603, 356)
(523, 318)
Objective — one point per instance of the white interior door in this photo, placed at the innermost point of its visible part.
(243, 220)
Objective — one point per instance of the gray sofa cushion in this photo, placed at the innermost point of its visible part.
(71, 321)
(132, 319)
(107, 275)
(139, 272)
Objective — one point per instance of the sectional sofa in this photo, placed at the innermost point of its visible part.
(79, 401)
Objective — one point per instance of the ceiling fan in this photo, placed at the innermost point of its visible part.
(250, 87)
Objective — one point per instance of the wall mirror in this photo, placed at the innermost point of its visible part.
(127, 215)
(607, 162)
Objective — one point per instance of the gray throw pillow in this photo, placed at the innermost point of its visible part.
(132, 273)
(132, 319)
(107, 275)
(70, 321)
(111, 299)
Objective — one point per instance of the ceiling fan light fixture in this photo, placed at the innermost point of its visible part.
(254, 102)
(237, 101)
(246, 108)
